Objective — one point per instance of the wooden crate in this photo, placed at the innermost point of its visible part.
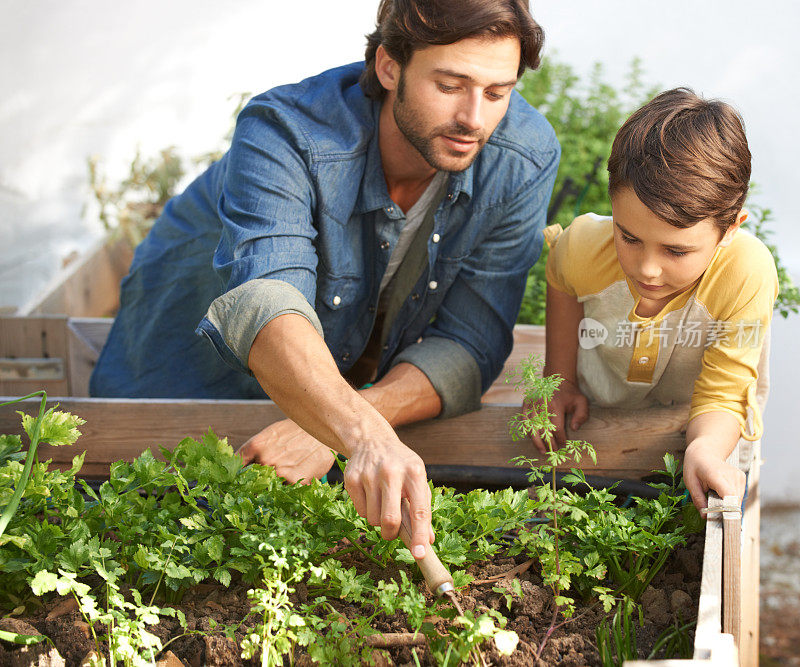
(88, 286)
(60, 353)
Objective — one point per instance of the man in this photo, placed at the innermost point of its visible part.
(393, 207)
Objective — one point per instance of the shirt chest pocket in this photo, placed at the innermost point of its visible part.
(336, 294)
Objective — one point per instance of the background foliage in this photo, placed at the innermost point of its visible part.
(585, 113)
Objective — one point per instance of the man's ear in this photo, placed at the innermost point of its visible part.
(387, 69)
(731, 231)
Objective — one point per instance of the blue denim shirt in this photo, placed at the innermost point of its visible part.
(296, 214)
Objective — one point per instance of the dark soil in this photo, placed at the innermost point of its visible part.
(673, 596)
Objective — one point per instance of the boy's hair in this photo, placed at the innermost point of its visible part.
(405, 26)
(686, 159)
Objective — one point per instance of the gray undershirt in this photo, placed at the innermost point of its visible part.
(414, 218)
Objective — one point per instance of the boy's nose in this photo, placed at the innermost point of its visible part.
(650, 270)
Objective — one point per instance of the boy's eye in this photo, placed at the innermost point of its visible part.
(628, 239)
(676, 253)
(494, 96)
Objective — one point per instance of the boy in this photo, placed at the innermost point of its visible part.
(668, 301)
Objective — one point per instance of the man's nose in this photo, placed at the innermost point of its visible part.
(470, 114)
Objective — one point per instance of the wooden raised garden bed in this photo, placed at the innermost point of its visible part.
(56, 353)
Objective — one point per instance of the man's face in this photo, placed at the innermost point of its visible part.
(450, 98)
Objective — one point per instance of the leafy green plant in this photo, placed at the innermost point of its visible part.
(276, 633)
(136, 543)
(675, 642)
(463, 639)
(559, 566)
(56, 428)
(590, 546)
(616, 642)
(125, 620)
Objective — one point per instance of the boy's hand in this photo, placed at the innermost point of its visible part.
(568, 400)
(704, 470)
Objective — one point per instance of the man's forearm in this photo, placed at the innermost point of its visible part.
(404, 395)
(294, 366)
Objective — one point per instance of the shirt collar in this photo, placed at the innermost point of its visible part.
(374, 195)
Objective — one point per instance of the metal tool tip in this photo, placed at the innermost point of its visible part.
(445, 587)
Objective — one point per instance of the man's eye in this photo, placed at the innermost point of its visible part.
(494, 96)
(447, 89)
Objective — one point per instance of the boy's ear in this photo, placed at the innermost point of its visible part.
(731, 231)
(387, 69)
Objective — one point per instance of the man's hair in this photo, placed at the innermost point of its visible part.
(405, 26)
(686, 159)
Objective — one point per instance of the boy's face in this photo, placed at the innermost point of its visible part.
(659, 259)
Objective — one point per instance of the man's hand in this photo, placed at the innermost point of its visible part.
(381, 469)
(293, 453)
(704, 470)
(377, 477)
(568, 401)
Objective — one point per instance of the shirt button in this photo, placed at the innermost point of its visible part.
(385, 245)
(433, 284)
(415, 296)
(345, 356)
(450, 195)
(436, 238)
(385, 347)
(337, 300)
(371, 309)
(643, 360)
(390, 209)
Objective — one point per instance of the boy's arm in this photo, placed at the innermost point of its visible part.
(710, 438)
(564, 313)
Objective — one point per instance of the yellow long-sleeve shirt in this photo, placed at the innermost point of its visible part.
(708, 346)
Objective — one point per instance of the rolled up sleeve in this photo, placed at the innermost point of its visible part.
(265, 257)
(234, 319)
(452, 371)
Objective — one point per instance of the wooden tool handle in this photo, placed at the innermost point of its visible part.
(436, 575)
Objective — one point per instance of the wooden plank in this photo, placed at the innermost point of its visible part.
(121, 429)
(85, 340)
(720, 653)
(92, 331)
(732, 566)
(709, 613)
(89, 286)
(41, 339)
(528, 339)
(749, 637)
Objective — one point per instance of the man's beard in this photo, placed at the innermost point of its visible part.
(409, 120)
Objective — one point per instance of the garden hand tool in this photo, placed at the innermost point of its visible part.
(439, 580)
